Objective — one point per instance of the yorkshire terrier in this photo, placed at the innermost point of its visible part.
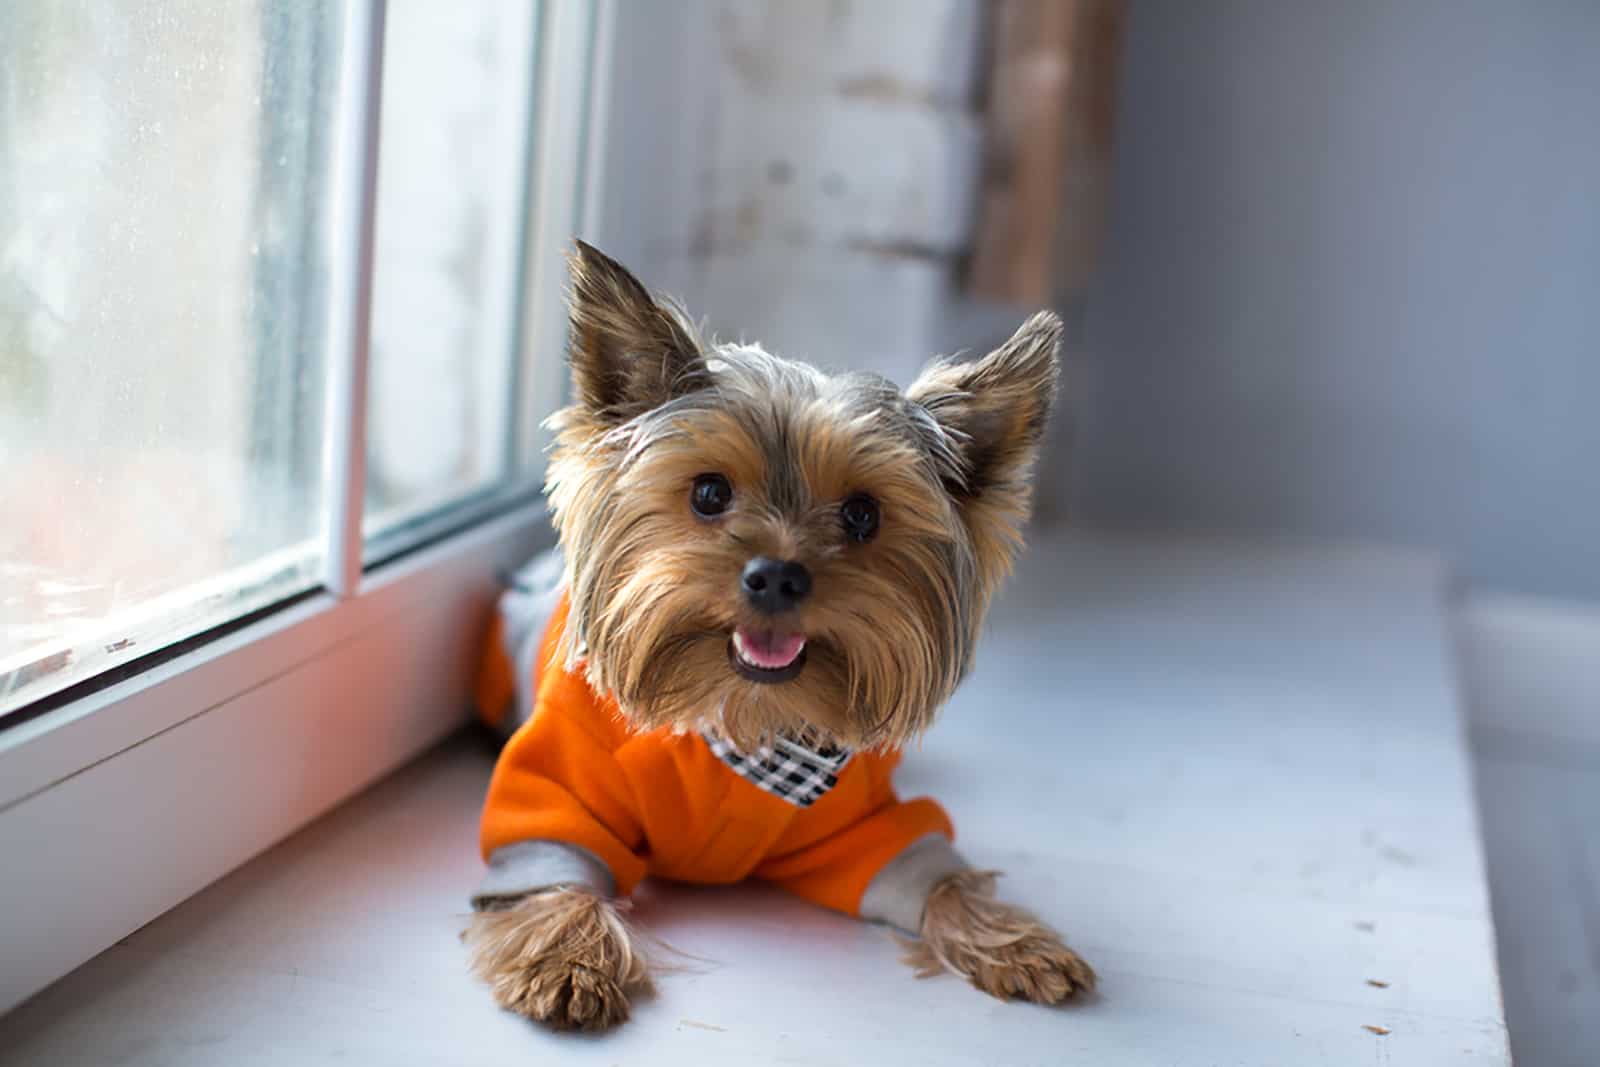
(769, 580)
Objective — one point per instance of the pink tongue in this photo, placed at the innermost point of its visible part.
(770, 649)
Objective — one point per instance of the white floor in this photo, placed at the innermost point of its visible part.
(1236, 778)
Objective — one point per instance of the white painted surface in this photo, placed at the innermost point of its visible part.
(1544, 864)
(920, 50)
(835, 173)
(1532, 667)
(801, 174)
(911, 294)
(1532, 674)
(117, 807)
(1234, 775)
(348, 336)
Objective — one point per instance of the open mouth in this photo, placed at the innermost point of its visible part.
(766, 656)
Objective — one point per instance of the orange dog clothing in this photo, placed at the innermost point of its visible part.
(579, 797)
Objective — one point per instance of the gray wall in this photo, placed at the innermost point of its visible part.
(1352, 284)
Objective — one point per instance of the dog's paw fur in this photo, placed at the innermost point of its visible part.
(566, 958)
(1000, 949)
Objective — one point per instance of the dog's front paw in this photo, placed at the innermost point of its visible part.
(1000, 949)
(563, 997)
(565, 958)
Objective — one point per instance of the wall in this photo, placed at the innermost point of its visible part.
(800, 174)
(1352, 283)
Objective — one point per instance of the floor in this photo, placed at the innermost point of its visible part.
(1236, 777)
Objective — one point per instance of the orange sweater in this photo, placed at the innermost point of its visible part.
(664, 804)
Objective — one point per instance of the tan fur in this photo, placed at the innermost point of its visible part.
(642, 351)
(1000, 949)
(999, 406)
(565, 957)
(890, 624)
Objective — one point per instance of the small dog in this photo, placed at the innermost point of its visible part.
(769, 580)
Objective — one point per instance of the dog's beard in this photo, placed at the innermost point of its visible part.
(868, 683)
(684, 679)
(887, 631)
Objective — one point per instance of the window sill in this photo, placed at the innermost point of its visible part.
(1233, 773)
(118, 806)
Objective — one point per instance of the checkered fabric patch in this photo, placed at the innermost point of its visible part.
(789, 770)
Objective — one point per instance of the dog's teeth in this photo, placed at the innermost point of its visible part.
(739, 648)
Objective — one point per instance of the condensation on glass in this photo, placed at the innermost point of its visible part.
(164, 229)
(167, 219)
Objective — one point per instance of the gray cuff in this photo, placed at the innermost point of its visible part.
(897, 894)
(529, 866)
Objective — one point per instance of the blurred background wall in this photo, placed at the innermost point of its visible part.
(1352, 282)
(812, 180)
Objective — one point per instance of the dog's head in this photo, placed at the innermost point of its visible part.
(758, 547)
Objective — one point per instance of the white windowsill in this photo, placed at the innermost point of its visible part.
(121, 636)
(1234, 774)
(116, 807)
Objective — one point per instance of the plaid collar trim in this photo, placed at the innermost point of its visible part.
(788, 770)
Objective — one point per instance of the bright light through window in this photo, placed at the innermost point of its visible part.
(161, 251)
(168, 215)
(453, 180)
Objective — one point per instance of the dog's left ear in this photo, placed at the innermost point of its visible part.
(629, 352)
(994, 411)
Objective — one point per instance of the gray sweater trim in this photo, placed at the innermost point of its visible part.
(897, 894)
(529, 866)
(525, 610)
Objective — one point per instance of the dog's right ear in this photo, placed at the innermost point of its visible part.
(629, 352)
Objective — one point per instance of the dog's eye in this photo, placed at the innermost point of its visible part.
(859, 514)
(710, 496)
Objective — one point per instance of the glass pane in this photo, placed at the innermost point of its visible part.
(163, 217)
(457, 89)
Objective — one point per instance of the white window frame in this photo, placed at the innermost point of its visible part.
(121, 804)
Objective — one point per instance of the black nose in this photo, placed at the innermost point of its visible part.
(775, 585)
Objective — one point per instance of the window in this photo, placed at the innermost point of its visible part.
(180, 303)
(162, 166)
(280, 317)
(453, 180)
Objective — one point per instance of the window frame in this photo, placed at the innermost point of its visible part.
(119, 804)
